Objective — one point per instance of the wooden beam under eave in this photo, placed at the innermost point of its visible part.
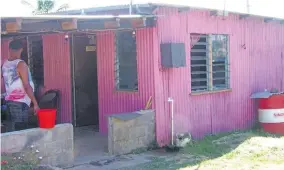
(14, 26)
(111, 24)
(90, 25)
(243, 16)
(53, 25)
(140, 22)
(69, 25)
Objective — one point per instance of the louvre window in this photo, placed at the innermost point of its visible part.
(126, 61)
(209, 62)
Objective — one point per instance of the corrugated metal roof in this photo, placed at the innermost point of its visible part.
(148, 5)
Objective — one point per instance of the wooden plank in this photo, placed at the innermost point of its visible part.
(69, 25)
(41, 26)
(111, 24)
(15, 26)
(91, 25)
(136, 23)
(65, 25)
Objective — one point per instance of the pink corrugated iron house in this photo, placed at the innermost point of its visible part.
(208, 61)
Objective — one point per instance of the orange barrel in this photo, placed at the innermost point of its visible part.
(46, 118)
(271, 114)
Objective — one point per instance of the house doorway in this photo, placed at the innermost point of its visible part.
(35, 60)
(85, 82)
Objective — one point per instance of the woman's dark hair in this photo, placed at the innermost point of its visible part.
(16, 45)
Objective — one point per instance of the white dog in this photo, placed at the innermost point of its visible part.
(183, 139)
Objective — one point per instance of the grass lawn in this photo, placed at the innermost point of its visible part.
(249, 150)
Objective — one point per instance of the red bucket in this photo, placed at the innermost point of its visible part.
(46, 118)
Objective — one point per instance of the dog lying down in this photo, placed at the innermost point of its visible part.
(183, 139)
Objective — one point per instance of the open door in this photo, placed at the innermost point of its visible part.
(85, 80)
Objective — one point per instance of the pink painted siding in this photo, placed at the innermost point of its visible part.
(4, 55)
(259, 66)
(110, 100)
(57, 71)
(4, 49)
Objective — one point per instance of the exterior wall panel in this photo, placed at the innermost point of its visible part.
(4, 49)
(57, 72)
(4, 55)
(257, 67)
(112, 101)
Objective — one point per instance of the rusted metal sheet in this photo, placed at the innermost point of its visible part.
(256, 63)
(57, 71)
(110, 100)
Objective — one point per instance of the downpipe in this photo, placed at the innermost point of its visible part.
(170, 100)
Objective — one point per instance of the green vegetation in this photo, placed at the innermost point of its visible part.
(251, 150)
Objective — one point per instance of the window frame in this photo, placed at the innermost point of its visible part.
(209, 88)
(117, 63)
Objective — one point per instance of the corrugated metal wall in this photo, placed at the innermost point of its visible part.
(259, 66)
(57, 71)
(110, 100)
(4, 49)
(4, 55)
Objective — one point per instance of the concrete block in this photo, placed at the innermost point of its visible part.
(64, 159)
(141, 130)
(125, 136)
(120, 134)
(49, 142)
(143, 141)
(68, 145)
(53, 148)
(13, 142)
(62, 132)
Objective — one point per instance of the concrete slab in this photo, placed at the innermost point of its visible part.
(113, 163)
(89, 145)
(91, 152)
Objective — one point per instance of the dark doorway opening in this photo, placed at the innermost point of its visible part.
(35, 61)
(85, 82)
